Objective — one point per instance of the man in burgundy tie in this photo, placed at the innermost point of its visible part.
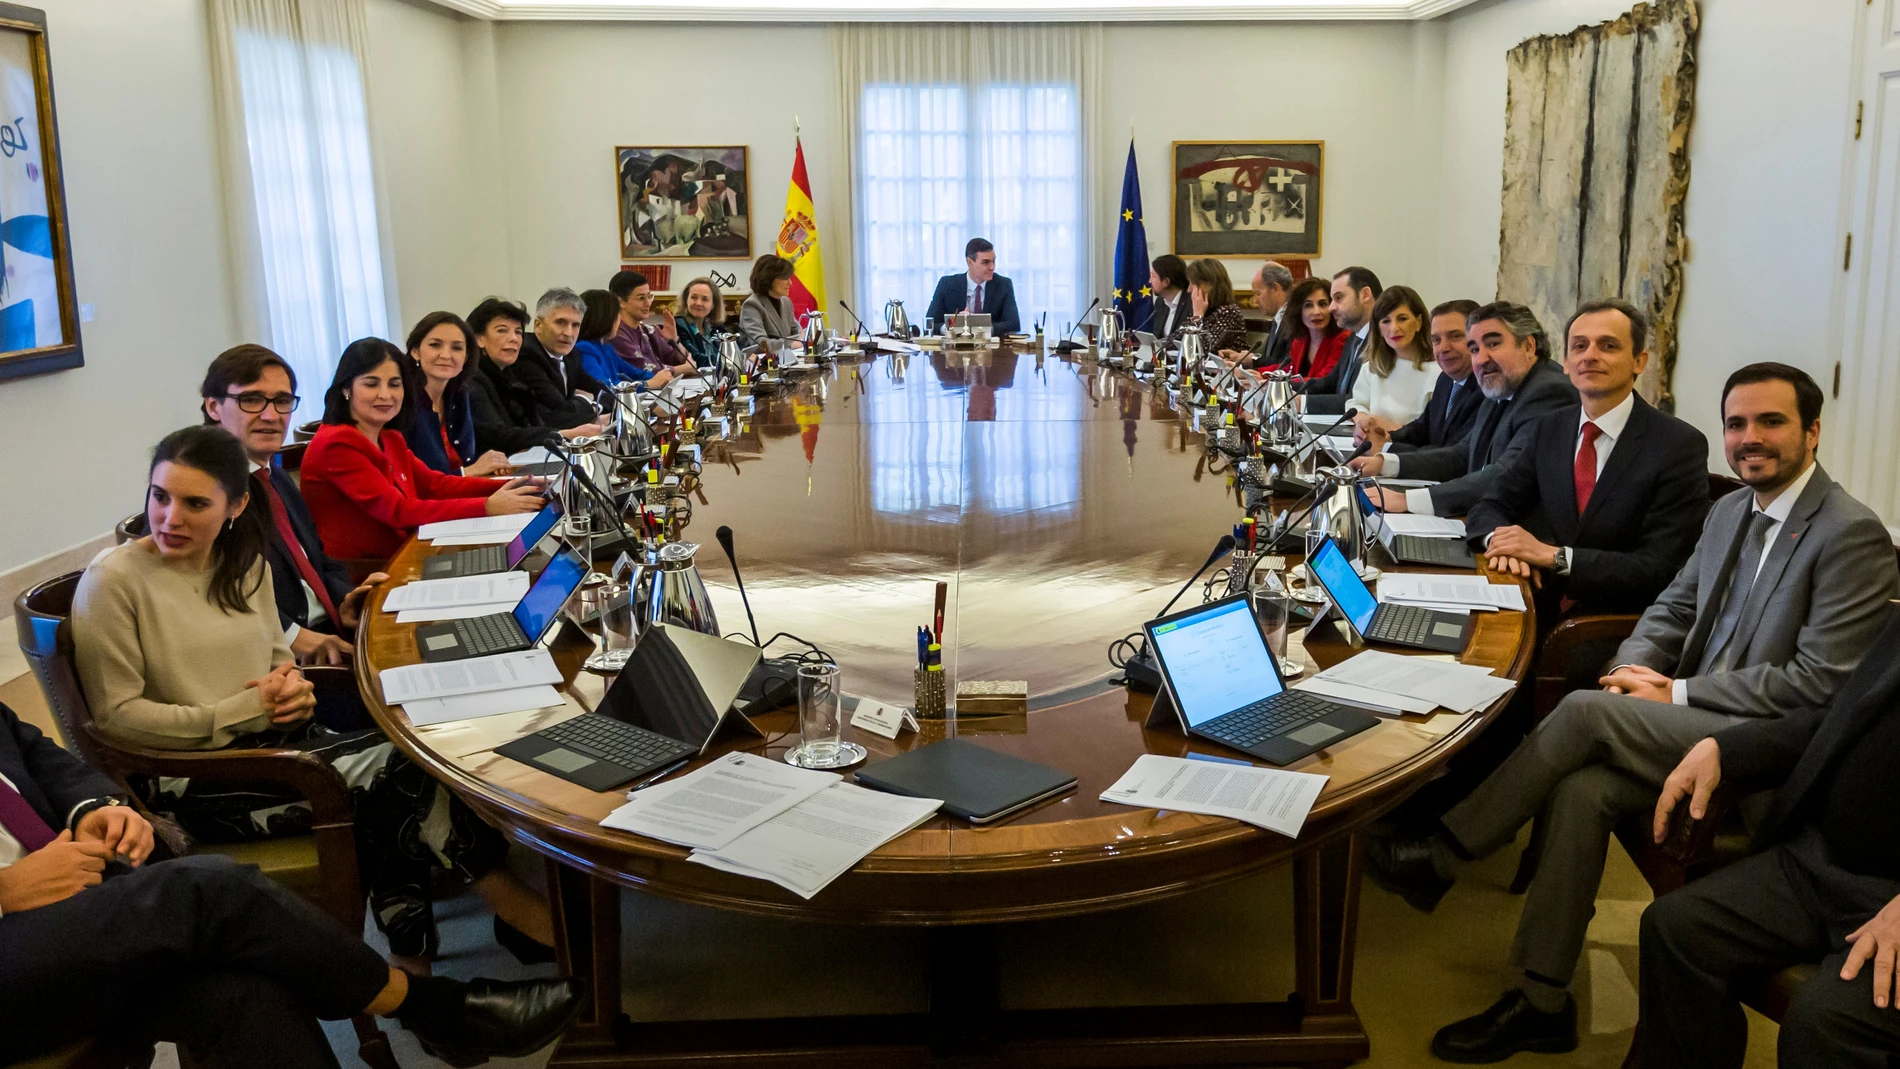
(978, 288)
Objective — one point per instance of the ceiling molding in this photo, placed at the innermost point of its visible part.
(968, 11)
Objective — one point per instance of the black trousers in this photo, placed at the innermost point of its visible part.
(1703, 944)
(199, 951)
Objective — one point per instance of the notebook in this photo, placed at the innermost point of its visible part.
(975, 782)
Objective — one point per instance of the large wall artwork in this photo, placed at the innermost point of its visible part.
(1596, 171)
(684, 203)
(39, 316)
(1247, 198)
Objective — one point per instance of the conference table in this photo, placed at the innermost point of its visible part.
(1063, 502)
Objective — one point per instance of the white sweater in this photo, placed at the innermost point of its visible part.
(1400, 397)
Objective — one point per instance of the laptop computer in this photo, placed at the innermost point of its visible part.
(506, 632)
(1225, 686)
(489, 560)
(1395, 625)
(663, 709)
(1410, 548)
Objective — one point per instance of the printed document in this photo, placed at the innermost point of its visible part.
(1458, 687)
(820, 838)
(459, 612)
(718, 802)
(450, 593)
(476, 525)
(1404, 523)
(425, 711)
(1472, 591)
(1269, 798)
(504, 671)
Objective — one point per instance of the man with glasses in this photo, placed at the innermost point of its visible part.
(251, 392)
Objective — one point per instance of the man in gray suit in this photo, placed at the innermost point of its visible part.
(1783, 595)
(1511, 358)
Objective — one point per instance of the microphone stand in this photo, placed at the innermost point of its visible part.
(1067, 346)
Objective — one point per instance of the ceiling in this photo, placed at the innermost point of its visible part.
(959, 11)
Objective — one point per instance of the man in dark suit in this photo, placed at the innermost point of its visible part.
(1448, 416)
(1521, 384)
(1355, 291)
(556, 330)
(251, 392)
(1823, 885)
(1167, 277)
(199, 951)
(1270, 285)
(1606, 502)
(977, 289)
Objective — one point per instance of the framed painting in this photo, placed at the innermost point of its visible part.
(684, 203)
(1255, 199)
(39, 311)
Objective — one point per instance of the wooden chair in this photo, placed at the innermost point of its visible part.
(303, 432)
(133, 526)
(320, 866)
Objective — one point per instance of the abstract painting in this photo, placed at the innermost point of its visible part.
(39, 321)
(1247, 198)
(684, 203)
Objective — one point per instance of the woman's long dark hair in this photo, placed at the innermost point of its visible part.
(602, 317)
(241, 543)
(456, 388)
(361, 357)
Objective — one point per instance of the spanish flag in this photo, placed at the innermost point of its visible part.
(798, 240)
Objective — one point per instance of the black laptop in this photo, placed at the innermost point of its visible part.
(1395, 625)
(1225, 686)
(506, 632)
(490, 560)
(664, 708)
(1411, 548)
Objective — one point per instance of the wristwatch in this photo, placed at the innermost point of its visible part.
(1562, 564)
(82, 809)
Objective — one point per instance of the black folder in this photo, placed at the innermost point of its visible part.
(975, 782)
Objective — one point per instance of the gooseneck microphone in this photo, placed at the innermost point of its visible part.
(558, 445)
(1067, 346)
(1344, 417)
(724, 535)
(855, 318)
(1221, 549)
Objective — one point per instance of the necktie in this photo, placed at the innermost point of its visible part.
(21, 820)
(288, 535)
(976, 298)
(1585, 469)
(1741, 581)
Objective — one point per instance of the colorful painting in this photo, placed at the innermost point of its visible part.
(684, 203)
(1247, 198)
(39, 323)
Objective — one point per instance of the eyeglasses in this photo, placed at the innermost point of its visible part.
(284, 403)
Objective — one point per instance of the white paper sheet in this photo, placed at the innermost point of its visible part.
(491, 538)
(820, 838)
(475, 525)
(458, 612)
(1402, 523)
(450, 593)
(425, 711)
(1458, 687)
(537, 455)
(718, 802)
(1476, 591)
(1378, 701)
(504, 671)
(1269, 798)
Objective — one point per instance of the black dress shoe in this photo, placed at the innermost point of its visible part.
(501, 1018)
(522, 945)
(1403, 866)
(1510, 1026)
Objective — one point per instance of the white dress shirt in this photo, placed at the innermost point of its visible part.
(1609, 428)
(10, 849)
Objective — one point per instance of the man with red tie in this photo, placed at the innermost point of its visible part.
(251, 392)
(977, 289)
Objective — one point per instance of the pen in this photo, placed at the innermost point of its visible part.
(943, 595)
(923, 645)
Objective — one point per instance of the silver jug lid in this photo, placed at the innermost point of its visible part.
(678, 552)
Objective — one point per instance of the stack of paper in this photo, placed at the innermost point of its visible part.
(537, 455)
(476, 675)
(1451, 592)
(753, 816)
(1393, 682)
(1268, 798)
(476, 531)
(1407, 523)
(425, 711)
(454, 599)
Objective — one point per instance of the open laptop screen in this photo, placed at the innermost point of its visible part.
(1216, 660)
(1344, 586)
(531, 535)
(542, 603)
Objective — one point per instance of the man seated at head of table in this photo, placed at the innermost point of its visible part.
(442, 430)
(1455, 395)
(1521, 383)
(367, 492)
(595, 351)
(1780, 600)
(545, 350)
(635, 337)
(251, 392)
(1354, 291)
(1397, 381)
(515, 408)
(978, 288)
(1271, 285)
(1605, 503)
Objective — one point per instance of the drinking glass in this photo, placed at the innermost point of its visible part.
(1315, 534)
(611, 606)
(1273, 607)
(821, 721)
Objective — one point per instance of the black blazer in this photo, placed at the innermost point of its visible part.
(566, 374)
(286, 580)
(1445, 420)
(1160, 323)
(1465, 468)
(520, 405)
(999, 300)
(51, 780)
(1274, 347)
(1644, 518)
(1329, 393)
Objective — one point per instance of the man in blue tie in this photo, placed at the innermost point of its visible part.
(978, 289)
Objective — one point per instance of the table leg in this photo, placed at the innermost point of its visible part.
(587, 944)
(1326, 926)
(965, 990)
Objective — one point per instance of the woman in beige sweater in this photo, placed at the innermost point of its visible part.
(178, 648)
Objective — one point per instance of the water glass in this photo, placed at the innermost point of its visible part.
(606, 607)
(821, 721)
(1315, 534)
(1273, 607)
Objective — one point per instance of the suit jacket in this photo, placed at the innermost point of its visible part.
(1161, 323)
(425, 434)
(286, 581)
(1465, 469)
(1815, 606)
(1273, 348)
(999, 300)
(367, 501)
(1445, 420)
(1330, 392)
(505, 411)
(1643, 517)
(564, 379)
(51, 780)
(762, 319)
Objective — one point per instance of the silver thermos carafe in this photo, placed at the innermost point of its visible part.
(895, 321)
(669, 590)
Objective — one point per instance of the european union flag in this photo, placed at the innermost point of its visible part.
(1132, 295)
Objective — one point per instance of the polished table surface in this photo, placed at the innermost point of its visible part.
(1063, 503)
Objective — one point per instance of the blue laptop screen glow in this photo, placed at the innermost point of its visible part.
(1344, 586)
(1217, 662)
(537, 608)
(532, 534)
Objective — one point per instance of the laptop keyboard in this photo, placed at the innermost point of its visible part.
(1286, 711)
(605, 739)
(1417, 549)
(483, 635)
(1410, 624)
(482, 561)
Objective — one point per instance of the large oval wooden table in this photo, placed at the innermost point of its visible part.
(1063, 503)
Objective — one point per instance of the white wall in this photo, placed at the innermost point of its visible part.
(1766, 150)
(133, 90)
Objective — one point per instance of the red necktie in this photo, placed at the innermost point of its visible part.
(1586, 466)
(976, 298)
(295, 548)
(21, 820)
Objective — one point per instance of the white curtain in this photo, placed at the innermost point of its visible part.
(970, 130)
(308, 259)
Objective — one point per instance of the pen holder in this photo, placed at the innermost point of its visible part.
(929, 697)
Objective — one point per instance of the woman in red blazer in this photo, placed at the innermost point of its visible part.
(366, 490)
(1319, 342)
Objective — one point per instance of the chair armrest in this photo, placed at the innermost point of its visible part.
(1551, 674)
(305, 773)
(1689, 840)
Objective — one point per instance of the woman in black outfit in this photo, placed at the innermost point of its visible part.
(514, 408)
